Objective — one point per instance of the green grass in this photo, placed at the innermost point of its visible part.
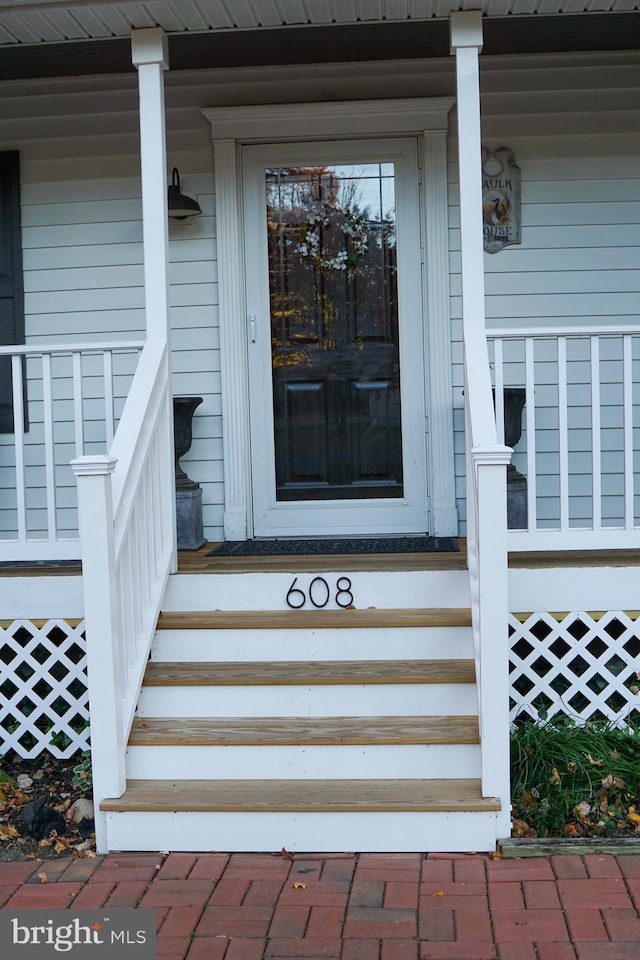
(570, 780)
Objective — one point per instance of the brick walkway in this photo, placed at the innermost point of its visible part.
(369, 907)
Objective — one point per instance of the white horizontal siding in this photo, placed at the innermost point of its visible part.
(572, 122)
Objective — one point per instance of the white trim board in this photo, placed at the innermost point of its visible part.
(231, 127)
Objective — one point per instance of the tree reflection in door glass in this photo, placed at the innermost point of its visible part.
(334, 331)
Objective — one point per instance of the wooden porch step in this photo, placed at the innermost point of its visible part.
(260, 673)
(302, 796)
(301, 619)
(309, 731)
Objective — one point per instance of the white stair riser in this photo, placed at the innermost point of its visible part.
(393, 700)
(309, 832)
(268, 591)
(348, 762)
(381, 643)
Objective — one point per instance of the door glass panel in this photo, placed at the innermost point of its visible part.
(334, 331)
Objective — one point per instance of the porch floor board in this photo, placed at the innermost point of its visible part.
(303, 796)
(197, 561)
(311, 673)
(310, 731)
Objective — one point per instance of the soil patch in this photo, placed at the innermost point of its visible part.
(43, 813)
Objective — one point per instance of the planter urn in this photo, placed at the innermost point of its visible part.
(188, 493)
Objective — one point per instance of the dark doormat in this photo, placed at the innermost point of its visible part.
(337, 545)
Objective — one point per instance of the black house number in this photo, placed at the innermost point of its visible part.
(319, 593)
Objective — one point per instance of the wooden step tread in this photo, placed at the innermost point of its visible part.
(299, 619)
(308, 731)
(264, 673)
(303, 796)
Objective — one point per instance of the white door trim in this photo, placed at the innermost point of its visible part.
(234, 126)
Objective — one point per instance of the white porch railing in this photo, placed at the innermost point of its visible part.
(67, 399)
(581, 425)
(126, 509)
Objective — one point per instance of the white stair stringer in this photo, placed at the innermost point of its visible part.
(313, 730)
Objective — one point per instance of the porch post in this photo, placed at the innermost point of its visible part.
(487, 459)
(149, 54)
(466, 42)
(104, 656)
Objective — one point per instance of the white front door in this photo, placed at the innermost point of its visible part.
(335, 322)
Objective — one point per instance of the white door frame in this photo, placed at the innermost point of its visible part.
(233, 127)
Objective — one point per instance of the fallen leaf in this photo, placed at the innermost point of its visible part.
(24, 781)
(438, 893)
(572, 767)
(286, 855)
(583, 810)
(8, 832)
(43, 878)
(496, 855)
(44, 843)
(573, 830)
(31, 856)
(555, 776)
(633, 817)
(519, 828)
(614, 753)
(298, 885)
(596, 763)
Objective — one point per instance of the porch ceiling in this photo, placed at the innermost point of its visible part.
(29, 22)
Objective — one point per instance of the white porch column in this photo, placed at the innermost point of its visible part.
(466, 43)
(487, 459)
(149, 53)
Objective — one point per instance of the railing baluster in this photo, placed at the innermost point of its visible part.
(18, 432)
(563, 434)
(629, 484)
(78, 414)
(108, 397)
(596, 451)
(49, 450)
(530, 413)
(499, 389)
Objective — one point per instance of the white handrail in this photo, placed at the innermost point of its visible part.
(126, 510)
(35, 349)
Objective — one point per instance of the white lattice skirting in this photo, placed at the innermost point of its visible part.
(43, 688)
(583, 665)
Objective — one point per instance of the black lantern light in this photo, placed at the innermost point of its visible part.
(180, 206)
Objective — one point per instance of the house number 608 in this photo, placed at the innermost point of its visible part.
(319, 593)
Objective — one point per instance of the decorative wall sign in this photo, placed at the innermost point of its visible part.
(500, 199)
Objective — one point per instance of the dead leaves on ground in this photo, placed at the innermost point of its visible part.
(50, 782)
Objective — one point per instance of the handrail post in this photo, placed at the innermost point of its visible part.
(489, 467)
(149, 54)
(95, 521)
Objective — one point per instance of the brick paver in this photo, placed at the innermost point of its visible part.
(220, 906)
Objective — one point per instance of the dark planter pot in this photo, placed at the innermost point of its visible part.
(183, 411)
(188, 493)
(517, 508)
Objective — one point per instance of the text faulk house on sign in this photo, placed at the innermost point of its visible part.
(500, 199)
